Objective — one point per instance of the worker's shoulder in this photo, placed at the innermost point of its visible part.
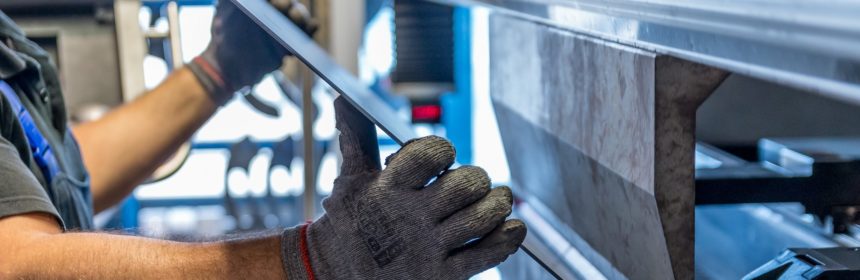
(11, 134)
(8, 26)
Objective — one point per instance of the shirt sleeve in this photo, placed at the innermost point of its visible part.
(20, 192)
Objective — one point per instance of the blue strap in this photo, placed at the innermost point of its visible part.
(39, 146)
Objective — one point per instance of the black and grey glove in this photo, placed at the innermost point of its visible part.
(394, 223)
(240, 53)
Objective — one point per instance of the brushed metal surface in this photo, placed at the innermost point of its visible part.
(602, 135)
(811, 45)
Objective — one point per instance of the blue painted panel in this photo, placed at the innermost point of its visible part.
(457, 105)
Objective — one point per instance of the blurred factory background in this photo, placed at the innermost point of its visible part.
(774, 162)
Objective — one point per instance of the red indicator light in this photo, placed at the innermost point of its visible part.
(426, 113)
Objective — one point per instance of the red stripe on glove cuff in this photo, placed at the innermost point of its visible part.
(216, 77)
(303, 247)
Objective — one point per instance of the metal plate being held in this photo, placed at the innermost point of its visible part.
(305, 49)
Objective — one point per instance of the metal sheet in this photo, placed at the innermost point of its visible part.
(812, 45)
(601, 134)
(306, 50)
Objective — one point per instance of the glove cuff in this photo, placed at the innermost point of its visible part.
(211, 79)
(295, 256)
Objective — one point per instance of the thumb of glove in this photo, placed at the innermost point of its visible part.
(358, 143)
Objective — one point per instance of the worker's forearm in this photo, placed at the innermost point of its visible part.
(106, 256)
(122, 149)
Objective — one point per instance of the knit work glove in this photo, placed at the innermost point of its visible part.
(394, 223)
(240, 53)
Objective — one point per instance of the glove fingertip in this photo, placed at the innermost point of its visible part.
(515, 229)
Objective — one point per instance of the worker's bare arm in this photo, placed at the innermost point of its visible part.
(35, 248)
(123, 148)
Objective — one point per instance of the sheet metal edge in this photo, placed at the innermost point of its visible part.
(305, 49)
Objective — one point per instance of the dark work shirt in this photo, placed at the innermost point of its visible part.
(23, 188)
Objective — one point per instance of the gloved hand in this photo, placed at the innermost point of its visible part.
(240, 53)
(390, 224)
